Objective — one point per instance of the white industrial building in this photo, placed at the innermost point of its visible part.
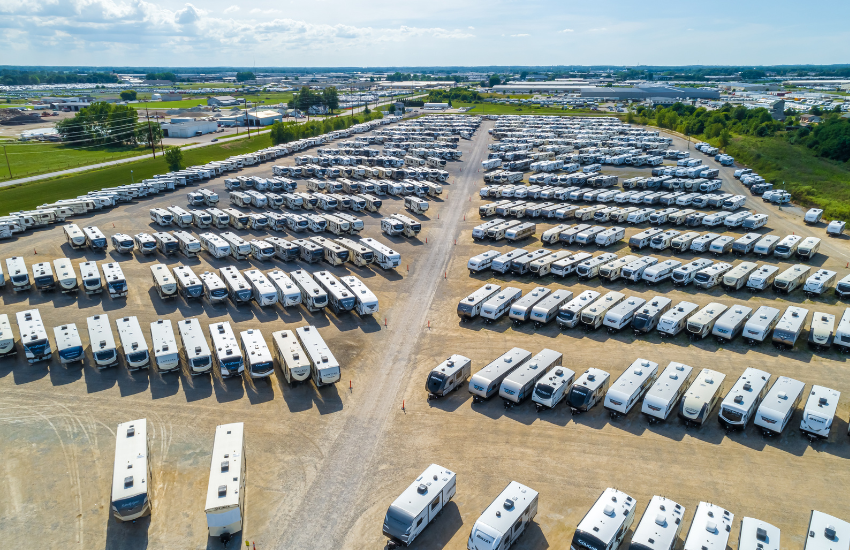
(187, 127)
(263, 118)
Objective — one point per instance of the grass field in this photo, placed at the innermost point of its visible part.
(29, 195)
(268, 98)
(27, 159)
(490, 109)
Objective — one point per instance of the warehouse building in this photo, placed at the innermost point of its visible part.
(264, 118)
(187, 127)
(222, 101)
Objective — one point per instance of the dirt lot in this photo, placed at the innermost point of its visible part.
(324, 465)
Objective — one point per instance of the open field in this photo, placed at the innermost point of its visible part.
(37, 158)
(324, 464)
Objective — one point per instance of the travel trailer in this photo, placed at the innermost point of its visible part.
(313, 296)
(760, 324)
(683, 242)
(505, 520)
(789, 327)
(778, 406)
(145, 243)
(486, 382)
(746, 244)
(593, 316)
(226, 352)
(166, 354)
(821, 331)
(116, 284)
(132, 483)
(225, 503)
(588, 390)
(134, 347)
(419, 504)
(684, 275)
(613, 270)
(552, 388)
(711, 276)
(196, 351)
(787, 246)
(448, 376)
(499, 304)
(470, 306)
(69, 346)
(675, 320)
(262, 290)
(731, 323)
(214, 288)
(634, 271)
(762, 278)
(628, 389)
(766, 245)
(622, 314)
(740, 404)
(102, 341)
(569, 314)
(519, 384)
(819, 412)
(659, 526)
(163, 282)
(737, 277)
(324, 366)
(291, 357)
(589, 268)
(710, 528)
(648, 316)
(74, 236)
(794, 276)
(701, 323)
(819, 283)
(808, 248)
(606, 523)
(665, 393)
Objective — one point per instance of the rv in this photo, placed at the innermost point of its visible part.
(220, 218)
(660, 272)
(819, 412)
(675, 320)
(284, 249)
(622, 314)
(202, 219)
(132, 483)
(187, 243)
(778, 406)
(738, 276)
(711, 276)
(181, 217)
(701, 397)
(552, 388)
(644, 238)
(755, 221)
(385, 257)
(228, 357)
(588, 236)
(665, 393)
(569, 314)
(257, 355)
(324, 367)
(762, 278)
(448, 376)
(521, 264)
(842, 288)
(392, 226)
(488, 380)
(710, 528)
(161, 217)
(683, 242)
(740, 404)
(499, 304)
(547, 309)
(647, 317)
(291, 356)
(819, 283)
(612, 270)
(163, 282)
(588, 390)
(287, 293)
(721, 245)
(225, 502)
(552, 236)
(610, 236)
(520, 383)
(813, 216)
(745, 244)
(791, 278)
(606, 523)
(90, 277)
(627, 390)
(787, 246)
(340, 298)
(214, 288)
(479, 232)
(102, 341)
(760, 324)
(166, 243)
(808, 248)
(419, 504)
(238, 248)
(188, 284)
(634, 271)
(663, 240)
(34, 339)
(42, 276)
(821, 331)
(195, 348)
(589, 268)
(660, 526)
(835, 228)
(133, 344)
(313, 296)
(569, 236)
(74, 235)
(116, 284)
(411, 226)
(18, 274)
(565, 266)
(238, 288)
(470, 306)
(766, 245)
(731, 323)
(593, 316)
(122, 243)
(69, 347)
(166, 353)
(505, 520)
(145, 244)
(700, 325)
(703, 242)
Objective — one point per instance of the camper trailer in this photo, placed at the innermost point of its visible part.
(592, 317)
(634, 271)
(813, 216)
(628, 389)
(134, 347)
(569, 314)
(588, 390)
(163, 281)
(731, 323)
(819, 412)
(740, 404)
(552, 388)
(122, 243)
(819, 283)
(685, 275)
(102, 341)
(366, 303)
(145, 243)
(663, 240)
(778, 406)
(419, 504)
(622, 314)
(19, 276)
(787, 246)
(606, 523)
(835, 228)
(470, 306)
(166, 243)
(324, 367)
(746, 244)
(227, 355)
(701, 397)
(712, 275)
(287, 293)
(238, 289)
(214, 288)
(384, 256)
(613, 270)
(648, 316)
(520, 383)
(721, 245)
(789, 327)
(166, 354)
(737, 277)
(238, 248)
(225, 503)
(703, 242)
(762, 278)
(665, 393)
(758, 327)
(710, 528)
(505, 520)
(821, 331)
(69, 346)
(291, 356)
(808, 248)
(479, 232)
(74, 236)
(196, 351)
(701, 323)
(258, 358)
(676, 319)
(42, 276)
(499, 304)
(448, 376)
(262, 291)
(547, 309)
(313, 296)
(116, 284)
(132, 483)
(766, 245)
(187, 243)
(659, 526)
(683, 242)
(589, 268)
(486, 382)
(644, 238)
(90, 276)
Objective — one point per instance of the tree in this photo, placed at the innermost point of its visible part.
(494, 80)
(391, 109)
(174, 158)
(128, 95)
(277, 133)
(145, 131)
(523, 74)
(242, 76)
(366, 110)
(330, 96)
(100, 123)
(724, 138)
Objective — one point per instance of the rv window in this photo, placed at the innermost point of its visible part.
(418, 523)
(435, 503)
(732, 416)
(517, 525)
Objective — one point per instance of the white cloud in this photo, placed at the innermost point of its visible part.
(599, 29)
(232, 9)
(471, 28)
(188, 15)
(521, 35)
(258, 11)
(566, 30)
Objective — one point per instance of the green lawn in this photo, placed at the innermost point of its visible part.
(268, 98)
(27, 159)
(29, 195)
(491, 109)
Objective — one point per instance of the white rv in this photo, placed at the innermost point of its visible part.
(419, 504)
(813, 216)
(657, 273)
(588, 390)
(613, 270)
(762, 278)
(19, 276)
(789, 327)
(659, 526)
(622, 314)
(819, 412)
(312, 295)
(683, 242)
(228, 357)
(187, 243)
(835, 228)
(324, 366)
(122, 243)
(791, 278)
(291, 356)
(133, 344)
(745, 244)
(488, 380)
(634, 271)
(239, 248)
(740, 404)
(808, 248)
(116, 284)
(470, 306)
(163, 281)
(498, 305)
(42, 276)
(663, 240)
(819, 283)
(568, 265)
(731, 323)
(712, 275)
(766, 245)
(738, 276)
(69, 346)
(238, 288)
(553, 387)
(701, 397)
(821, 331)
(505, 520)
(385, 257)
(74, 235)
(188, 284)
(165, 351)
(701, 323)
(665, 393)
(90, 276)
(102, 341)
(262, 291)
(166, 243)
(258, 358)
(589, 268)
(132, 484)
(648, 316)
(593, 316)
(520, 383)
(606, 523)
(448, 376)
(196, 351)
(627, 390)
(675, 320)
(758, 327)
(709, 529)
(287, 293)
(569, 314)
(65, 275)
(787, 246)
(778, 405)
(214, 288)
(225, 504)
(145, 243)
(340, 298)
(685, 275)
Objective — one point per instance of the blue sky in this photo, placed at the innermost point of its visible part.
(438, 32)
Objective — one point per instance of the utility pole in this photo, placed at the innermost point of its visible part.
(247, 126)
(150, 133)
(9, 166)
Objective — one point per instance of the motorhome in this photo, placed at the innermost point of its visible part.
(196, 351)
(74, 236)
(731, 323)
(323, 365)
(709, 529)
(419, 505)
(166, 243)
(520, 383)
(819, 412)
(505, 520)
(225, 502)
(778, 406)
(226, 351)
(791, 278)
(589, 268)
(102, 341)
(132, 483)
(665, 393)
(134, 347)
(385, 257)
(547, 308)
(701, 323)
(634, 271)
(116, 284)
(499, 304)
(740, 404)
(676, 319)
(122, 243)
(238, 248)
(145, 243)
(712, 275)
(698, 402)
(745, 244)
(628, 389)
(593, 316)
(69, 346)
(606, 524)
(787, 246)
(622, 314)
(819, 283)
(487, 381)
(644, 238)
(648, 316)
(821, 331)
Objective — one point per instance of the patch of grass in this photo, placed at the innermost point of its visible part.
(29, 195)
(27, 159)
(490, 109)
(811, 180)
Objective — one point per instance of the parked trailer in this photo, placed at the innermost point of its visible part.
(789, 327)
(134, 347)
(745, 244)
(701, 397)
(116, 284)
(102, 341)
(709, 529)
(132, 483)
(487, 381)
(622, 314)
(731, 323)
(506, 519)
(385, 257)
(701, 324)
(791, 278)
(630, 387)
(648, 316)
(740, 404)
(778, 406)
(324, 367)
(225, 502)
(448, 376)
(660, 525)
(666, 392)
(675, 320)
(196, 351)
(606, 523)
(419, 505)
(819, 412)
(547, 308)
(760, 324)
(819, 283)
(166, 353)
(520, 383)
(69, 346)
(593, 316)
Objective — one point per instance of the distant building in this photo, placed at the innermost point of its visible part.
(776, 108)
(223, 101)
(187, 127)
(317, 109)
(263, 118)
(157, 82)
(805, 120)
(436, 106)
(171, 97)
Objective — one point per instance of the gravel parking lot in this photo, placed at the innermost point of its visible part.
(323, 465)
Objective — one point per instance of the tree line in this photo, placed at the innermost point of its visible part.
(21, 78)
(284, 132)
(306, 98)
(107, 124)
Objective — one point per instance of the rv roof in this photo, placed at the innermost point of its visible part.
(225, 467)
(827, 533)
(607, 514)
(501, 517)
(710, 528)
(659, 525)
(129, 474)
(416, 497)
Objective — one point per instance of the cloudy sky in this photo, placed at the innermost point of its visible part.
(438, 32)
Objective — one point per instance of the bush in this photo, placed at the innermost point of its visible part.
(174, 158)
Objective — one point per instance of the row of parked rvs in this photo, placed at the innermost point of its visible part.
(60, 274)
